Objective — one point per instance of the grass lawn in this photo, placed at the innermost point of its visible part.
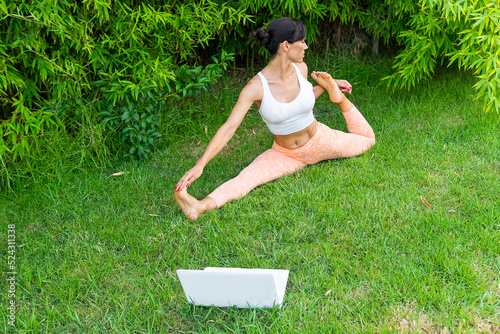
(97, 253)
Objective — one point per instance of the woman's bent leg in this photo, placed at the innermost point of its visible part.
(337, 144)
(334, 144)
(267, 167)
(357, 124)
(359, 139)
(329, 144)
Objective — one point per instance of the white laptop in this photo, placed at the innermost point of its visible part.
(243, 288)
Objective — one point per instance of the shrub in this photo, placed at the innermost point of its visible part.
(59, 60)
(465, 32)
(67, 67)
(136, 118)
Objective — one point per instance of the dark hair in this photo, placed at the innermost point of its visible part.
(278, 31)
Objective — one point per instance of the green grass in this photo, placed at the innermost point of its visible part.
(98, 253)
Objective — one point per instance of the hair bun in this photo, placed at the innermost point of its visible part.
(261, 36)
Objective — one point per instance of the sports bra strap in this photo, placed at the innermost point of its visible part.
(265, 85)
(299, 75)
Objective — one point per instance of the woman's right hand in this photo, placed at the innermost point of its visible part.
(188, 178)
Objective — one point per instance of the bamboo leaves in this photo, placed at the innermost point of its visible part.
(466, 32)
(54, 54)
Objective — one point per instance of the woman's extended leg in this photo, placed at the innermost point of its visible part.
(267, 167)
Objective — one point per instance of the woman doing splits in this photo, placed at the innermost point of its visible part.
(285, 100)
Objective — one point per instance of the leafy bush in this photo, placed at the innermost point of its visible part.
(60, 60)
(465, 32)
(136, 119)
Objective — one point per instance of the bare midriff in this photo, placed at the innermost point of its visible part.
(297, 139)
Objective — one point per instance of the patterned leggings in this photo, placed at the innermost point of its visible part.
(279, 161)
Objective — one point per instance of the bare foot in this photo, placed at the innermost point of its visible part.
(326, 81)
(191, 207)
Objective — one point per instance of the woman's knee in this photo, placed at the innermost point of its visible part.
(369, 143)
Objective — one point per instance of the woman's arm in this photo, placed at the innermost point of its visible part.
(318, 90)
(251, 93)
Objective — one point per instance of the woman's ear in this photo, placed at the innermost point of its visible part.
(286, 45)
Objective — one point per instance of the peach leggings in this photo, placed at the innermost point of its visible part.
(279, 161)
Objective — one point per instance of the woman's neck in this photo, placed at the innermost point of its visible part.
(279, 67)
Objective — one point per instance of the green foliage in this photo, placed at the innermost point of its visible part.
(22, 125)
(138, 122)
(136, 119)
(465, 32)
(55, 49)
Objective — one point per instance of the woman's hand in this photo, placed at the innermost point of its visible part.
(188, 178)
(344, 86)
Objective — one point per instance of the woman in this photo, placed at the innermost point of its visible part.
(285, 100)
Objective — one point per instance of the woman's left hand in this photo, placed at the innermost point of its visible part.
(344, 86)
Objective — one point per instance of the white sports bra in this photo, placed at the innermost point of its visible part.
(285, 118)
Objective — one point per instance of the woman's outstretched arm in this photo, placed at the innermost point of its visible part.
(251, 93)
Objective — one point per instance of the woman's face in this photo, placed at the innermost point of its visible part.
(296, 50)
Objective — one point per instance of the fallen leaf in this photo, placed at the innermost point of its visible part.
(425, 202)
(119, 173)
(154, 215)
(328, 292)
